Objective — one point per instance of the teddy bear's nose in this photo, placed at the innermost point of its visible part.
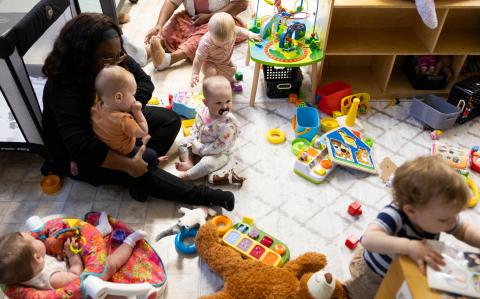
(328, 277)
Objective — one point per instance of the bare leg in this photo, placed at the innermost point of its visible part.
(209, 70)
(186, 159)
(120, 256)
(177, 56)
(157, 51)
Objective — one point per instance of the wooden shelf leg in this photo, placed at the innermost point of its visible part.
(314, 81)
(253, 93)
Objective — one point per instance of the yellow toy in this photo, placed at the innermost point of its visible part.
(350, 120)
(474, 200)
(328, 123)
(276, 136)
(187, 125)
(364, 106)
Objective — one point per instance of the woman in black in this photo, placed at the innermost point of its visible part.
(86, 44)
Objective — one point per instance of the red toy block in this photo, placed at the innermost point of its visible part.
(267, 241)
(352, 242)
(355, 209)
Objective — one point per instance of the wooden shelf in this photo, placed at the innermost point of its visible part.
(350, 41)
(459, 41)
(400, 86)
(394, 4)
(367, 40)
(359, 77)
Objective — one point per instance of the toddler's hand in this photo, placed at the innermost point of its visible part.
(136, 107)
(67, 249)
(256, 37)
(194, 80)
(422, 254)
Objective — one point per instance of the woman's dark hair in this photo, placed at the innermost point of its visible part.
(74, 51)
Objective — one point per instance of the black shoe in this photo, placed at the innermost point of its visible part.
(224, 199)
(137, 194)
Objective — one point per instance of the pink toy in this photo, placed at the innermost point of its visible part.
(355, 209)
(352, 242)
(475, 159)
(267, 241)
(435, 134)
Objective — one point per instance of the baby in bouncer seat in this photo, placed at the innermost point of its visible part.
(24, 259)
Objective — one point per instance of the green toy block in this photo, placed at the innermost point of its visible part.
(238, 76)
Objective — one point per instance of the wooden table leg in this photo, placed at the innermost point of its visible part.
(253, 93)
(247, 58)
(314, 81)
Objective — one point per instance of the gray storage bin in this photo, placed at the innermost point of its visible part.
(435, 112)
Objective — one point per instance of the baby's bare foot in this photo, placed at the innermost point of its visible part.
(158, 53)
(183, 166)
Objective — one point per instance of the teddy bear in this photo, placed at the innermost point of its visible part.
(301, 278)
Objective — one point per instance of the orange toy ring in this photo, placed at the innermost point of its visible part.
(223, 224)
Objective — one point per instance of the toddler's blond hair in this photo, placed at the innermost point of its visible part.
(215, 85)
(112, 79)
(423, 179)
(222, 26)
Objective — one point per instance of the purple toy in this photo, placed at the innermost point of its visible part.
(118, 236)
(237, 87)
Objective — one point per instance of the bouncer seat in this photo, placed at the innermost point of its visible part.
(143, 276)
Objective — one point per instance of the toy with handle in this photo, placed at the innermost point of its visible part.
(190, 219)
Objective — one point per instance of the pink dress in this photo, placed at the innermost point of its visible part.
(215, 56)
(180, 33)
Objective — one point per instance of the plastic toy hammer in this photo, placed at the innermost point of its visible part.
(190, 219)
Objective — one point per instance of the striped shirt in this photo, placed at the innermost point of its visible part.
(395, 223)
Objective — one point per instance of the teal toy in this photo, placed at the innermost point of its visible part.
(238, 76)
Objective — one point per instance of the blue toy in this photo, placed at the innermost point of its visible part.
(187, 103)
(181, 246)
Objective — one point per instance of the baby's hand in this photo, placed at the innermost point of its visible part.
(194, 80)
(68, 250)
(256, 37)
(421, 253)
(136, 107)
(196, 145)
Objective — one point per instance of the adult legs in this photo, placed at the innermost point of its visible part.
(163, 127)
(160, 184)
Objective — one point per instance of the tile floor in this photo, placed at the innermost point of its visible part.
(305, 216)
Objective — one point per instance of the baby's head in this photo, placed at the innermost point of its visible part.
(116, 87)
(218, 95)
(431, 193)
(222, 28)
(21, 257)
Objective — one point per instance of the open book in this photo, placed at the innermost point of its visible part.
(460, 275)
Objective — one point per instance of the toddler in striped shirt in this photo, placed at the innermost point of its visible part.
(428, 196)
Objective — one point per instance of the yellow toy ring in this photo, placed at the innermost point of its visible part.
(474, 200)
(75, 250)
(223, 224)
(276, 136)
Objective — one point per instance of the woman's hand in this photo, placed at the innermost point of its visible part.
(138, 167)
(422, 254)
(194, 80)
(152, 32)
(201, 18)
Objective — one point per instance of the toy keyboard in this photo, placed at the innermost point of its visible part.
(456, 156)
(254, 243)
